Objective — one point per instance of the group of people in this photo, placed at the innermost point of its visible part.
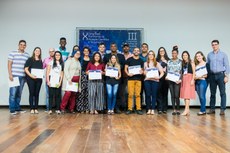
(118, 81)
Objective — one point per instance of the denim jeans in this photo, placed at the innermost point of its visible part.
(47, 96)
(111, 95)
(15, 95)
(151, 89)
(217, 80)
(201, 87)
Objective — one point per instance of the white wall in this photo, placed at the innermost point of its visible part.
(190, 24)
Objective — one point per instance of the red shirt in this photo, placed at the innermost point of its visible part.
(91, 66)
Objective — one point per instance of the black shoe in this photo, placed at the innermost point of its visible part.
(222, 112)
(211, 111)
(165, 112)
(159, 112)
(117, 111)
(178, 113)
(174, 113)
(139, 112)
(128, 112)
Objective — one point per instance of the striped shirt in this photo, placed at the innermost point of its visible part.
(19, 60)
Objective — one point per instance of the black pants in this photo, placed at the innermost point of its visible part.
(54, 95)
(162, 96)
(122, 95)
(175, 95)
(34, 90)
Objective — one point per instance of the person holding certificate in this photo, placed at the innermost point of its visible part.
(201, 83)
(187, 90)
(82, 103)
(95, 70)
(151, 81)
(34, 74)
(162, 96)
(54, 76)
(134, 69)
(112, 82)
(71, 82)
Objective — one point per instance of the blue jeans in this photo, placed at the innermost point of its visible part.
(201, 88)
(151, 89)
(15, 95)
(217, 80)
(47, 97)
(111, 95)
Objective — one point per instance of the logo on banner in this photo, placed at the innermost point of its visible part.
(132, 36)
(85, 36)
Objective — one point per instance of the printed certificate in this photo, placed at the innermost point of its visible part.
(73, 87)
(134, 69)
(14, 83)
(111, 72)
(39, 73)
(54, 80)
(152, 73)
(201, 71)
(95, 75)
(172, 76)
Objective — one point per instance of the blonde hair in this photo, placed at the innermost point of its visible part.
(154, 59)
(117, 65)
(195, 60)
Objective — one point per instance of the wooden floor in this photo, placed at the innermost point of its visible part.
(85, 133)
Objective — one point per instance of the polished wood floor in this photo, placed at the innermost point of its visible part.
(120, 133)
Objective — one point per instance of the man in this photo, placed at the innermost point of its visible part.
(219, 72)
(121, 59)
(101, 49)
(134, 81)
(126, 50)
(144, 51)
(62, 48)
(45, 64)
(16, 62)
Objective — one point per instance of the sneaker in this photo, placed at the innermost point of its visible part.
(95, 112)
(72, 111)
(31, 111)
(128, 112)
(201, 113)
(152, 112)
(58, 112)
(118, 111)
(174, 113)
(211, 111)
(20, 111)
(222, 112)
(50, 112)
(13, 113)
(178, 113)
(160, 112)
(111, 112)
(165, 112)
(149, 112)
(139, 112)
(36, 111)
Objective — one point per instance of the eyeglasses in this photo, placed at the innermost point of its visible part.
(215, 44)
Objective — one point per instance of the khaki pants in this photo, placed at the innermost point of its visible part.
(134, 89)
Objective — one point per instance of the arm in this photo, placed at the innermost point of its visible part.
(28, 73)
(226, 64)
(10, 70)
(47, 74)
(126, 71)
(193, 73)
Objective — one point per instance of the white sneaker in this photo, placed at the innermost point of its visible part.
(50, 112)
(152, 112)
(149, 112)
(58, 112)
(31, 111)
(36, 111)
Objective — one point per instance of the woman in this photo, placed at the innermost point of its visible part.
(162, 96)
(82, 100)
(187, 90)
(55, 72)
(174, 66)
(151, 83)
(34, 64)
(72, 74)
(112, 83)
(96, 87)
(201, 83)
(74, 50)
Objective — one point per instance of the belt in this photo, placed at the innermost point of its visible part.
(217, 73)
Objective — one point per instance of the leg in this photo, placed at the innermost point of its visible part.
(100, 96)
(65, 100)
(51, 97)
(221, 86)
(147, 85)
(109, 96)
(154, 87)
(19, 93)
(57, 96)
(114, 92)
(91, 95)
(47, 96)
(137, 94)
(38, 84)
(213, 86)
(173, 97)
(131, 86)
(12, 98)
(31, 85)
(177, 96)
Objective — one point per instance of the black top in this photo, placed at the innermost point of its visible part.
(84, 64)
(187, 67)
(112, 81)
(163, 64)
(120, 57)
(134, 62)
(31, 63)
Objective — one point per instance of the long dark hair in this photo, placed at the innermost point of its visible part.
(93, 60)
(40, 56)
(55, 60)
(189, 59)
(159, 56)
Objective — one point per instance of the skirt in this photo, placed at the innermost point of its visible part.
(187, 91)
(82, 103)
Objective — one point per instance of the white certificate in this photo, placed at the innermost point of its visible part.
(39, 73)
(152, 73)
(172, 76)
(54, 80)
(111, 72)
(95, 75)
(14, 83)
(73, 87)
(201, 71)
(134, 69)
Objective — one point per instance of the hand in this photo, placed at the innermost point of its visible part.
(33, 77)
(48, 83)
(178, 82)
(11, 78)
(156, 78)
(130, 74)
(117, 78)
(70, 82)
(225, 79)
(141, 71)
(58, 85)
(79, 90)
(192, 82)
(166, 78)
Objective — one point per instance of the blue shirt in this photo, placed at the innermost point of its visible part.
(144, 58)
(218, 62)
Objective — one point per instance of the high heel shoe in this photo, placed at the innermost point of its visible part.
(185, 114)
